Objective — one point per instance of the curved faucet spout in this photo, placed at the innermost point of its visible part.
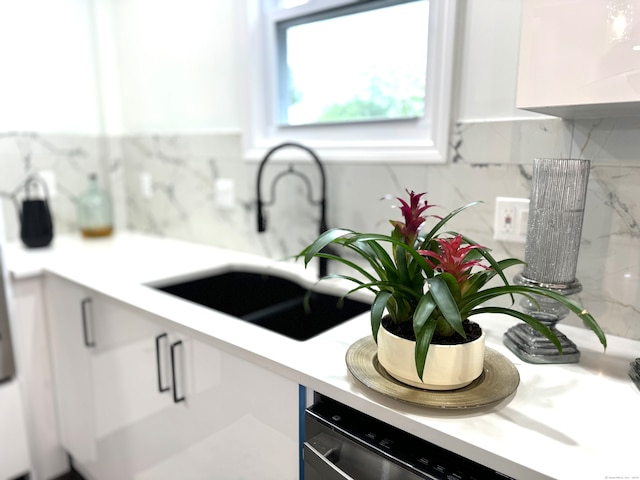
(262, 221)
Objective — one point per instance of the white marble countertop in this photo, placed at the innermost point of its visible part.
(574, 421)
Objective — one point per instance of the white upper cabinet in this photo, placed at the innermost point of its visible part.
(580, 58)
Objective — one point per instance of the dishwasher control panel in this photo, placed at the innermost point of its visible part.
(362, 447)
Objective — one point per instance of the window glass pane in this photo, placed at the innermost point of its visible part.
(359, 66)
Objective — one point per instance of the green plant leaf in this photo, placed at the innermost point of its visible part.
(496, 266)
(322, 241)
(375, 237)
(423, 311)
(432, 233)
(509, 262)
(480, 279)
(348, 263)
(376, 250)
(361, 285)
(480, 297)
(377, 311)
(439, 289)
(452, 285)
(470, 302)
(401, 262)
(365, 252)
(534, 322)
(423, 341)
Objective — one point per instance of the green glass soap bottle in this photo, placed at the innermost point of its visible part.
(95, 215)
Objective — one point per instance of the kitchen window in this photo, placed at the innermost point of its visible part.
(355, 80)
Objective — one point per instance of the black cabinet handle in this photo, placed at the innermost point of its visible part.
(83, 307)
(176, 399)
(158, 365)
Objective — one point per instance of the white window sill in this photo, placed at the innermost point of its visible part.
(379, 152)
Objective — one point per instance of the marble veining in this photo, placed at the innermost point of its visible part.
(483, 169)
(487, 159)
(610, 141)
(69, 158)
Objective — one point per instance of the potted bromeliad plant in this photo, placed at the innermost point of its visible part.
(428, 284)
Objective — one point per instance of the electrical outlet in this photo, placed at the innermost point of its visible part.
(511, 217)
(225, 193)
(146, 185)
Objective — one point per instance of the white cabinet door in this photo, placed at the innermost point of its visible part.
(579, 59)
(104, 369)
(137, 400)
(240, 422)
(126, 363)
(14, 454)
(228, 419)
(33, 358)
(70, 344)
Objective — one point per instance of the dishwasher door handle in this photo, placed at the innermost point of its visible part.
(325, 468)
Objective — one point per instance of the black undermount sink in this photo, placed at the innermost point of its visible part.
(269, 301)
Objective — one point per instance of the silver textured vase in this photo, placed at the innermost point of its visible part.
(554, 229)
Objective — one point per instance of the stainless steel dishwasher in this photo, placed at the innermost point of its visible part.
(344, 444)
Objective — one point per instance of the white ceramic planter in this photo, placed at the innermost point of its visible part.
(447, 367)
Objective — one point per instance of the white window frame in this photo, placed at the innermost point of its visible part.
(392, 141)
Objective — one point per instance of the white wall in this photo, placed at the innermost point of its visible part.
(176, 64)
(169, 66)
(48, 81)
(116, 66)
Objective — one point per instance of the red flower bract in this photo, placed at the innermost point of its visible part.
(412, 213)
(451, 258)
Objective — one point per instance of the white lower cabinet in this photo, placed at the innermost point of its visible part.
(137, 400)
(33, 359)
(14, 455)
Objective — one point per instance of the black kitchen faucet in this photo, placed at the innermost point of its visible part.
(262, 223)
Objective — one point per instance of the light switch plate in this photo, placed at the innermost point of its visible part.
(511, 217)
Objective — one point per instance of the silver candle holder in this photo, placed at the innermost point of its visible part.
(554, 229)
(634, 372)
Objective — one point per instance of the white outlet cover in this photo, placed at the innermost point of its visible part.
(510, 219)
(225, 192)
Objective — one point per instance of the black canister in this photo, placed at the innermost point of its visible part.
(36, 225)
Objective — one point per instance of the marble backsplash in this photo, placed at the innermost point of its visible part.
(488, 159)
(69, 159)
